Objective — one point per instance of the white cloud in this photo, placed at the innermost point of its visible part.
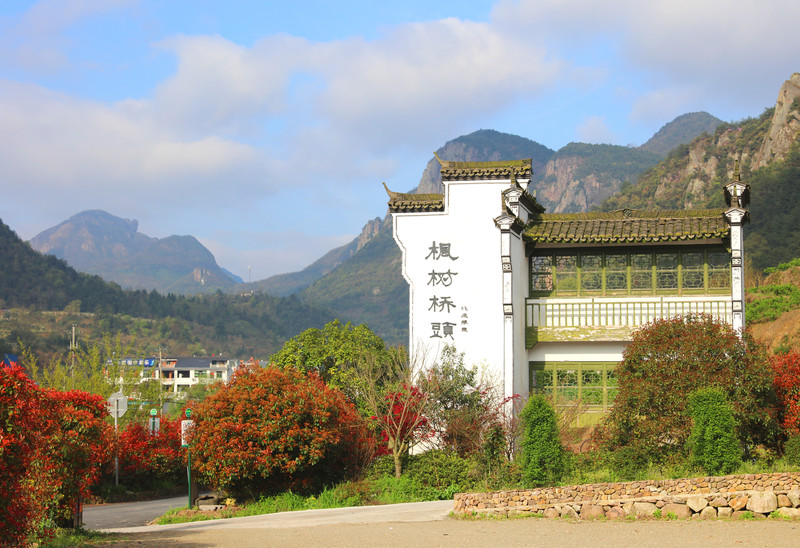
(68, 150)
(732, 53)
(594, 130)
(36, 40)
(665, 103)
(222, 87)
(425, 77)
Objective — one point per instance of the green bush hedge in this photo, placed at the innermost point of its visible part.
(713, 443)
(542, 455)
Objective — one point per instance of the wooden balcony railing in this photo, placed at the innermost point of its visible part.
(605, 318)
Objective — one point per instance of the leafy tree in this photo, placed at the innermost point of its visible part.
(713, 442)
(457, 409)
(99, 369)
(336, 352)
(403, 423)
(668, 360)
(541, 453)
(76, 446)
(463, 406)
(273, 429)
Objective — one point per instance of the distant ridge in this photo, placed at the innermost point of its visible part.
(681, 130)
(96, 242)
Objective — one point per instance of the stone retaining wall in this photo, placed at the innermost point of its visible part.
(703, 497)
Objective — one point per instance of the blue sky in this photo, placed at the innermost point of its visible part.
(265, 128)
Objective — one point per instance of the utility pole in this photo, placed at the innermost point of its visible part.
(160, 383)
(72, 347)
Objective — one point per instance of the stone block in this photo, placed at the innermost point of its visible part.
(784, 501)
(207, 500)
(724, 511)
(738, 503)
(680, 511)
(569, 512)
(762, 502)
(696, 503)
(551, 513)
(719, 502)
(709, 512)
(644, 509)
(792, 513)
(615, 512)
(592, 511)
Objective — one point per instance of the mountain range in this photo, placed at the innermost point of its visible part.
(682, 166)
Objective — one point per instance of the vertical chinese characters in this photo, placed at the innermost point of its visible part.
(440, 279)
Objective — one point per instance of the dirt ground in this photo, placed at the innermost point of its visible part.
(488, 533)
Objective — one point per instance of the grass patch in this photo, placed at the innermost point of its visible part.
(79, 537)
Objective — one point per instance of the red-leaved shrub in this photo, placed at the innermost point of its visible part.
(787, 386)
(146, 457)
(51, 447)
(271, 429)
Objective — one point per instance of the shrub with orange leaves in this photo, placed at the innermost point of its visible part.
(270, 430)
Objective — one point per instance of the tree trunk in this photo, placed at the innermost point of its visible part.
(398, 464)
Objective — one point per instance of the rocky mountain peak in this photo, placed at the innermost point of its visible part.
(785, 125)
(97, 242)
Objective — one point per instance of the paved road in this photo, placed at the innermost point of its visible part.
(401, 513)
(424, 524)
(128, 514)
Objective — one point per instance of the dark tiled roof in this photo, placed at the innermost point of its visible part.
(628, 226)
(472, 171)
(400, 202)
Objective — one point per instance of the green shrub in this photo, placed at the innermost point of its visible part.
(541, 455)
(628, 463)
(670, 359)
(791, 450)
(712, 442)
(443, 471)
(494, 448)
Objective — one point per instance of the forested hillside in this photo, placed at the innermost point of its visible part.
(255, 324)
(681, 130)
(369, 288)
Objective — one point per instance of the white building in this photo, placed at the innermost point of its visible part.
(549, 301)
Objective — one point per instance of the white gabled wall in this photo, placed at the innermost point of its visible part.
(468, 290)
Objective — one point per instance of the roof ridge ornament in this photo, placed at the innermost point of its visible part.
(391, 194)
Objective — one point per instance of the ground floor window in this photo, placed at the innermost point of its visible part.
(588, 387)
